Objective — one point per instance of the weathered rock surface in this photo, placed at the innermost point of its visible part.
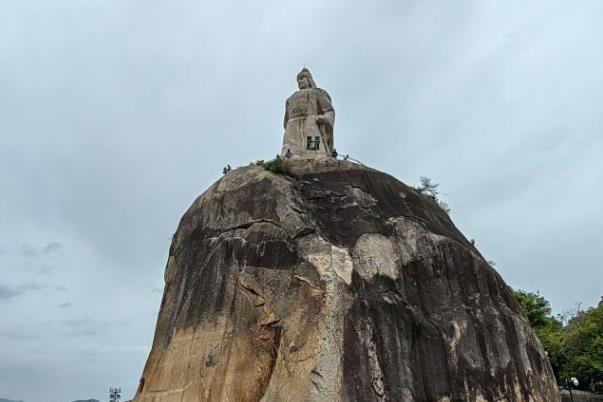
(337, 284)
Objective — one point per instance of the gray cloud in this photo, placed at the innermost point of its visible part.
(81, 327)
(16, 335)
(152, 287)
(45, 270)
(10, 292)
(29, 251)
(7, 292)
(65, 305)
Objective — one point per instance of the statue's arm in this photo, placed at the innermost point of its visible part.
(286, 114)
(326, 110)
(326, 118)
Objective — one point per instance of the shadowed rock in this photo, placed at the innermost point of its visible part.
(338, 283)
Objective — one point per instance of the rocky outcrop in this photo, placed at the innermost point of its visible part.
(336, 283)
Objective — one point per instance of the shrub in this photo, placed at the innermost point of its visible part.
(277, 165)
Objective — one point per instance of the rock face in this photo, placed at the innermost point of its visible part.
(337, 283)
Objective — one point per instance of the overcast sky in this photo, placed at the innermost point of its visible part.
(115, 115)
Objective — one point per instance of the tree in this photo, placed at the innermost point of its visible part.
(574, 343)
(430, 189)
(547, 328)
(583, 348)
(536, 307)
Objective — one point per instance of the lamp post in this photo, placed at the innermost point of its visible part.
(569, 383)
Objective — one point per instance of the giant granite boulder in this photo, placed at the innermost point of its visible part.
(334, 283)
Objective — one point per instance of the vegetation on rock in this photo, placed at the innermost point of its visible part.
(430, 189)
(277, 165)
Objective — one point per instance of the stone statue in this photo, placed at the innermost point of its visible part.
(309, 120)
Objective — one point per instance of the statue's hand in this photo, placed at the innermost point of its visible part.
(321, 119)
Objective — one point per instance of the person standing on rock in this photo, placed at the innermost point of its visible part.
(309, 120)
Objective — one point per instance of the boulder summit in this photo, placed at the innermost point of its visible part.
(334, 282)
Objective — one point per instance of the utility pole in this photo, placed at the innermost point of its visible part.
(114, 394)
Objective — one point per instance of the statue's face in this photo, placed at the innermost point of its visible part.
(303, 82)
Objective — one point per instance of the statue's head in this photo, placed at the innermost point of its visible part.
(304, 79)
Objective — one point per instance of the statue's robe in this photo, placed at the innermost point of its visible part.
(303, 135)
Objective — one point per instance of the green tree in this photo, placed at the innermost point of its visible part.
(547, 328)
(574, 349)
(583, 347)
(536, 307)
